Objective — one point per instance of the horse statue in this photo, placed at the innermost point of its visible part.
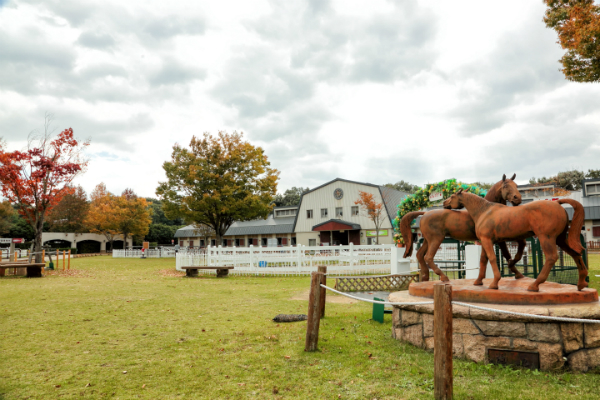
(545, 219)
(438, 224)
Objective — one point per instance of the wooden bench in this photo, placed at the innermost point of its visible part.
(222, 272)
(34, 270)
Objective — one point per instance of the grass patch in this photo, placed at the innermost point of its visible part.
(75, 334)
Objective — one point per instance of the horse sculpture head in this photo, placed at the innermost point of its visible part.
(508, 190)
(454, 202)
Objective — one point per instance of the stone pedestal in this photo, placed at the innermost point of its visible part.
(559, 344)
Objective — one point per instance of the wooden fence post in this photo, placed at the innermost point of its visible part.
(442, 340)
(314, 313)
(323, 269)
(69, 260)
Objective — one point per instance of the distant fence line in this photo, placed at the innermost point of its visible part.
(150, 253)
(288, 260)
(293, 260)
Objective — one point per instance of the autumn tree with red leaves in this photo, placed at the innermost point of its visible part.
(373, 210)
(36, 179)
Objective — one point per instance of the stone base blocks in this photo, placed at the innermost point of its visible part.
(575, 346)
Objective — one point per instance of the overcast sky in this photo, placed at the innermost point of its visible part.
(374, 91)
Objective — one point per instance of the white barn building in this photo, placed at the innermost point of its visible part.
(326, 215)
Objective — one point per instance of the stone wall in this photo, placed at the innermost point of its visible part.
(572, 345)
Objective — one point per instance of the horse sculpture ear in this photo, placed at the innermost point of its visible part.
(513, 177)
(503, 177)
(459, 191)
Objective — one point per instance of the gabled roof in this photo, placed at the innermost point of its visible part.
(349, 225)
(255, 227)
(391, 197)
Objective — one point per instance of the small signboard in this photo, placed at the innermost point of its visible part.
(13, 240)
(382, 232)
(436, 196)
(146, 245)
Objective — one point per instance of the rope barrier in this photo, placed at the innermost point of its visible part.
(458, 303)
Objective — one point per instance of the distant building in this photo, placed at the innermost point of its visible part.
(83, 242)
(326, 215)
(588, 196)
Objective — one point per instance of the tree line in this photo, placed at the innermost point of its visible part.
(103, 212)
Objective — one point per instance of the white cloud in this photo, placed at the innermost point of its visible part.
(372, 91)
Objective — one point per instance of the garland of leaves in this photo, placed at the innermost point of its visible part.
(420, 200)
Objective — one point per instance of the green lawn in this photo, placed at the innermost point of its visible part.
(130, 328)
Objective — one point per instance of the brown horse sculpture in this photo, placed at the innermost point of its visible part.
(438, 224)
(545, 219)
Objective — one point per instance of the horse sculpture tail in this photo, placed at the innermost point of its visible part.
(407, 232)
(576, 224)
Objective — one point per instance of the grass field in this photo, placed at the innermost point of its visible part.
(130, 328)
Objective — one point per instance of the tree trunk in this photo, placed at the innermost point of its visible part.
(37, 244)
(125, 234)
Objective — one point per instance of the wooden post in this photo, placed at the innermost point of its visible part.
(323, 269)
(442, 340)
(44, 256)
(14, 269)
(16, 257)
(69, 260)
(312, 323)
(64, 252)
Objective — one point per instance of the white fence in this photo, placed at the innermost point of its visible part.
(298, 260)
(150, 253)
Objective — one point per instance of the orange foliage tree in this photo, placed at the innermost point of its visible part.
(577, 23)
(132, 215)
(37, 178)
(100, 218)
(373, 210)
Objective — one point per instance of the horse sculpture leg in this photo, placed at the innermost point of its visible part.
(421, 258)
(549, 248)
(561, 241)
(511, 263)
(488, 248)
(483, 261)
(433, 248)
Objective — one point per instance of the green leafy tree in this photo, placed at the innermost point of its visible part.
(290, 197)
(161, 233)
(8, 217)
(21, 229)
(568, 180)
(158, 214)
(403, 186)
(577, 23)
(216, 181)
(593, 174)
